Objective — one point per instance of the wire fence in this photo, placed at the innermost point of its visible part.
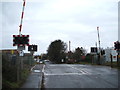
(15, 68)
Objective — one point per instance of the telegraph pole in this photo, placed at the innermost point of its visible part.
(69, 52)
(98, 38)
(96, 44)
(99, 45)
(69, 46)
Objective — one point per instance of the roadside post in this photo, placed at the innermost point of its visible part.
(94, 51)
(118, 59)
(32, 48)
(111, 60)
(117, 48)
(20, 41)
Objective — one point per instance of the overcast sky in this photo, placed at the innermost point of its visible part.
(48, 20)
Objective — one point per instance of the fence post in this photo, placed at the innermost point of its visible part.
(18, 72)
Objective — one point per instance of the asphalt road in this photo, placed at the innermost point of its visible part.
(79, 76)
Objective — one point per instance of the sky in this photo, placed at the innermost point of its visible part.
(67, 20)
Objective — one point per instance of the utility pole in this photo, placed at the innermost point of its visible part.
(69, 52)
(69, 46)
(96, 44)
(99, 46)
(98, 38)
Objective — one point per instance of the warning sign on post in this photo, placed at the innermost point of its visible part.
(21, 53)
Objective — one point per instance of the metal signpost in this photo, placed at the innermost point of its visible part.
(117, 48)
(32, 49)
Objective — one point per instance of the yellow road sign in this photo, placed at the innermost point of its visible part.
(12, 51)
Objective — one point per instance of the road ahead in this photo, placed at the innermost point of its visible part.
(79, 76)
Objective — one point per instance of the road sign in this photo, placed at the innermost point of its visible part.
(114, 56)
(20, 48)
(32, 48)
(12, 51)
(21, 53)
(94, 50)
(102, 52)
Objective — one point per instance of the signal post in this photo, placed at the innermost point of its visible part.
(117, 48)
(32, 49)
(20, 41)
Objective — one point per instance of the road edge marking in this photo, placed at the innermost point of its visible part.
(32, 67)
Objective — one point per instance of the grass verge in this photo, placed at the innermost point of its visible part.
(9, 84)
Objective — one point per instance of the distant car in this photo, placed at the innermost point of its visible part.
(40, 61)
(46, 60)
(37, 61)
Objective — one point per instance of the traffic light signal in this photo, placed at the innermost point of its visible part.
(117, 45)
(20, 40)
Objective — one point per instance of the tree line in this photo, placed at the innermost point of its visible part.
(57, 52)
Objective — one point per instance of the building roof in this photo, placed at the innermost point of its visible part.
(10, 51)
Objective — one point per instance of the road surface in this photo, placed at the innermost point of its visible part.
(79, 76)
(72, 76)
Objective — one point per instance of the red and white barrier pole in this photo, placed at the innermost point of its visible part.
(22, 17)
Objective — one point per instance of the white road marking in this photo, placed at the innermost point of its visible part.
(61, 74)
(32, 67)
(43, 69)
(36, 71)
(81, 70)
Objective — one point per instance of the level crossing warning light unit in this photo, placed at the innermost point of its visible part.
(20, 40)
(94, 49)
(117, 45)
